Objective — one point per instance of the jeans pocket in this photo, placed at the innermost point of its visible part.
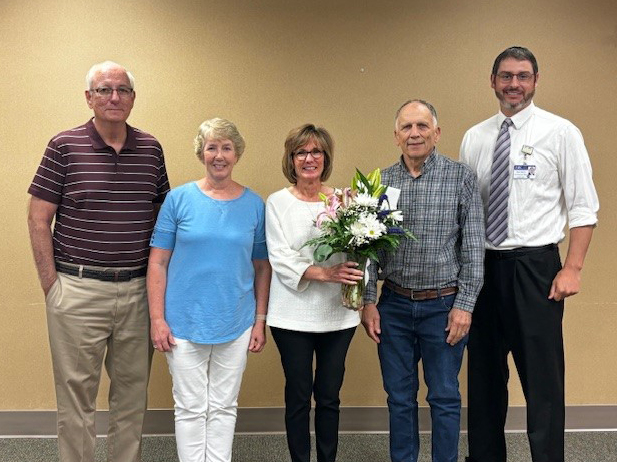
(448, 301)
(385, 295)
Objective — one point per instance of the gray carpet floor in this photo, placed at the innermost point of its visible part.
(580, 447)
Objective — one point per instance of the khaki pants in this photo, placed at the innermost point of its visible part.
(88, 321)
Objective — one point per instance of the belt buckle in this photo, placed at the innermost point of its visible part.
(411, 296)
(116, 275)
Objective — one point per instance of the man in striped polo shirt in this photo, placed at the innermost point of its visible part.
(102, 182)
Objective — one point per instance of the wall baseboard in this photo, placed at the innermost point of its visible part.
(18, 424)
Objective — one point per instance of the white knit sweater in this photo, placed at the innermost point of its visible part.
(295, 303)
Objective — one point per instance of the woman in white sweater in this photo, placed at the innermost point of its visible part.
(305, 315)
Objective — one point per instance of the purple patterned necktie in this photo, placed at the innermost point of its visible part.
(497, 217)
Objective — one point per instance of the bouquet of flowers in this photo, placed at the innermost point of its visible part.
(358, 222)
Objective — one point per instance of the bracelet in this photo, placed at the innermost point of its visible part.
(260, 317)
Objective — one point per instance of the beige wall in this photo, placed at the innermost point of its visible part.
(274, 64)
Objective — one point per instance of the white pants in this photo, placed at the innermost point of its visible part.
(206, 383)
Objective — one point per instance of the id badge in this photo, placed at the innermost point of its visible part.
(524, 172)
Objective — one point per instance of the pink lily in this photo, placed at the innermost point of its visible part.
(347, 196)
(332, 204)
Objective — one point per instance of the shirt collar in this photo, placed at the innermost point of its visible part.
(98, 143)
(519, 119)
(428, 163)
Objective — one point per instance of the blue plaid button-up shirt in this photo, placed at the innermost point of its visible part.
(443, 209)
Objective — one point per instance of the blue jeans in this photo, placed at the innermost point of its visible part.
(411, 330)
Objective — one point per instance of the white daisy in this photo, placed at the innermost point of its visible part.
(366, 200)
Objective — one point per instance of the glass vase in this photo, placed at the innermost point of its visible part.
(353, 295)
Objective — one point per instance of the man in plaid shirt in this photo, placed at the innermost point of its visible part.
(430, 285)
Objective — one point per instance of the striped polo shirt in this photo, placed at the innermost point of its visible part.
(105, 200)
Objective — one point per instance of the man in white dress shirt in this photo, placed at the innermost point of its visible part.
(547, 183)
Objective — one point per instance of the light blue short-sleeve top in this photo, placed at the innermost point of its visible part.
(210, 296)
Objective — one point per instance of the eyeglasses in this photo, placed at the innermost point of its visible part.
(302, 154)
(106, 92)
(507, 77)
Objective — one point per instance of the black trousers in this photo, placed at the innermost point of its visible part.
(513, 314)
(297, 350)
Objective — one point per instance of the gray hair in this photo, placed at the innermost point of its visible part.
(424, 103)
(106, 65)
(218, 129)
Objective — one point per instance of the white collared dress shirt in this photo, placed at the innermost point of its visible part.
(558, 188)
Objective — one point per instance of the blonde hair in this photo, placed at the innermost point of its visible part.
(218, 129)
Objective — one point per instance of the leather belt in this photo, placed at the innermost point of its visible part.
(519, 251)
(419, 295)
(108, 274)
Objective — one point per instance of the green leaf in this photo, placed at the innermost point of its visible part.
(372, 255)
(364, 180)
(322, 253)
(354, 181)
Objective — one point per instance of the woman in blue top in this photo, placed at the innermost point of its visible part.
(208, 284)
